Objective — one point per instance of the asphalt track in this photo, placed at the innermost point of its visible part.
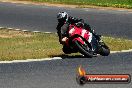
(62, 73)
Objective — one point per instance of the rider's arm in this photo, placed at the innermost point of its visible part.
(59, 31)
(62, 31)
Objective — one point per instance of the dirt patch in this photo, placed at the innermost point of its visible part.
(39, 3)
(5, 33)
(64, 5)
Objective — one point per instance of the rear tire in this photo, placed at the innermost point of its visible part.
(83, 50)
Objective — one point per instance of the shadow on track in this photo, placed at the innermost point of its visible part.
(66, 56)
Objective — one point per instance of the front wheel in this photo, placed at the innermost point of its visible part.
(104, 50)
(84, 49)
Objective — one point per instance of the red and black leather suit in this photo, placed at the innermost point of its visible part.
(63, 26)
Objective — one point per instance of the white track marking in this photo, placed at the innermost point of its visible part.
(25, 30)
(122, 51)
(48, 32)
(17, 29)
(36, 31)
(10, 28)
(1, 27)
(30, 60)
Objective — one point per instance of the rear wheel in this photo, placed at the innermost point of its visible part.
(84, 49)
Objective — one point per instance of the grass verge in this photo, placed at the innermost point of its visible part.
(104, 3)
(16, 45)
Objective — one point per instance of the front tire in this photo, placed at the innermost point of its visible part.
(85, 50)
(66, 50)
(104, 50)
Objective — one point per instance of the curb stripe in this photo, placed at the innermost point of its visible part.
(122, 51)
(48, 32)
(30, 60)
(10, 28)
(37, 31)
(1, 27)
(24, 30)
(17, 29)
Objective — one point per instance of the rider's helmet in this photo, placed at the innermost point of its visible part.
(62, 16)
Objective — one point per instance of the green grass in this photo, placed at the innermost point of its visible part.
(16, 45)
(118, 44)
(26, 45)
(104, 3)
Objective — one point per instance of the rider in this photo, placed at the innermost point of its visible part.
(63, 25)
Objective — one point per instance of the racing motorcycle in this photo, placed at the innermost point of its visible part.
(78, 41)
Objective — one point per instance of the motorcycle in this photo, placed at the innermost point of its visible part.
(79, 40)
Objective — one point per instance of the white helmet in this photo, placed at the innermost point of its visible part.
(62, 16)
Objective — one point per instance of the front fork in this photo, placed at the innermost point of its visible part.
(94, 44)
